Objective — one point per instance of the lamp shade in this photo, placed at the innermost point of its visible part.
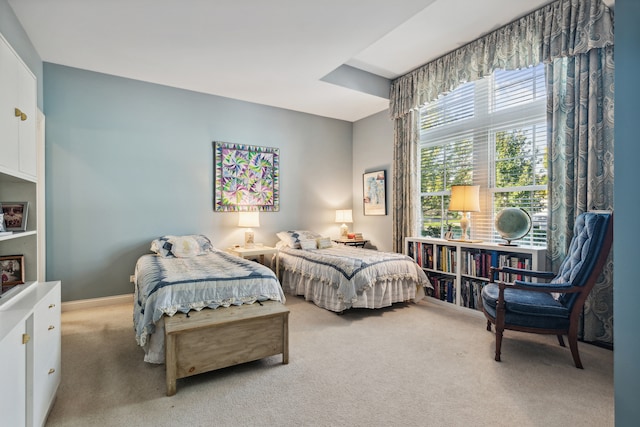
(465, 198)
(249, 219)
(344, 215)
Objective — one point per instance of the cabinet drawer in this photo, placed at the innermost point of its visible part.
(46, 353)
(46, 329)
(46, 379)
(47, 312)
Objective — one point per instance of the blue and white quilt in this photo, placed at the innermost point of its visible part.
(165, 286)
(352, 271)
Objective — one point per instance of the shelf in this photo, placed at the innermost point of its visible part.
(18, 235)
(11, 176)
(459, 270)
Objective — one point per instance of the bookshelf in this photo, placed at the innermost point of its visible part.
(459, 270)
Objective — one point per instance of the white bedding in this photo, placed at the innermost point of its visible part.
(343, 277)
(165, 286)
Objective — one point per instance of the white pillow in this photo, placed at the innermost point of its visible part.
(323, 242)
(185, 247)
(308, 244)
(292, 238)
(163, 246)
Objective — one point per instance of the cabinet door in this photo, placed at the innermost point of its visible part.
(27, 97)
(9, 146)
(13, 355)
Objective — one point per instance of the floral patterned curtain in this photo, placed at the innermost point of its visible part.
(580, 117)
(405, 178)
(578, 32)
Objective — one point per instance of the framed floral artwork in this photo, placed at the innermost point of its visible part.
(246, 178)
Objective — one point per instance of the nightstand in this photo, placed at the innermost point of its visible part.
(256, 252)
(352, 242)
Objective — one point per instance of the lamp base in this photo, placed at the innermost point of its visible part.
(465, 240)
(344, 231)
(249, 239)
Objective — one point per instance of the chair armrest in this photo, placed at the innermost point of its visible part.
(512, 270)
(561, 288)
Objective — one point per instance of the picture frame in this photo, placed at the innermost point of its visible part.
(11, 271)
(15, 215)
(247, 177)
(374, 191)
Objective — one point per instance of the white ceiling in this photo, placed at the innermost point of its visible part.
(272, 52)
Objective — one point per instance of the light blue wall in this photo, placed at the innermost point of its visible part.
(129, 161)
(626, 289)
(372, 151)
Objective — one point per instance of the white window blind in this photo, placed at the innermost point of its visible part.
(491, 133)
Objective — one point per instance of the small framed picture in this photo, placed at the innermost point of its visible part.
(11, 271)
(374, 193)
(15, 215)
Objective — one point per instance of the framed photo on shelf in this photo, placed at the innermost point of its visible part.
(374, 192)
(15, 215)
(11, 271)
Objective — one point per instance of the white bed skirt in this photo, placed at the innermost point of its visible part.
(383, 294)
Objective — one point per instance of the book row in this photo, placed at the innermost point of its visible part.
(475, 263)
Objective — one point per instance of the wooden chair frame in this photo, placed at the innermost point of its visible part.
(582, 292)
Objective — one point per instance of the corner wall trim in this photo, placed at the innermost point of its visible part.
(96, 302)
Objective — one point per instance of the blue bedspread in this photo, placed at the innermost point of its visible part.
(165, 286)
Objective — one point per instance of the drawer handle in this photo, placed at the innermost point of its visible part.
(51, 327)
(52, 305)
(26, 338)
(51, 371)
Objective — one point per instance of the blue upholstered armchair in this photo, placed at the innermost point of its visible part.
(531, 306)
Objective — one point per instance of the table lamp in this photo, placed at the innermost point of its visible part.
(344, 216)
(465, 199)
(249, 220)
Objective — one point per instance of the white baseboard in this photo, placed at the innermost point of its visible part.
(96, 302)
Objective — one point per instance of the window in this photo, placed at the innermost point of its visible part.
(492, 133)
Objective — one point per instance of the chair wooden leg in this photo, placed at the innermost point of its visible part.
(498, 343)
(500, 321)
(573, 345)
(560, 340)
(488, 325)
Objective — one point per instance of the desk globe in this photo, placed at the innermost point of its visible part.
(512, 224)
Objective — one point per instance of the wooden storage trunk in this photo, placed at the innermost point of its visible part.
(212, 339)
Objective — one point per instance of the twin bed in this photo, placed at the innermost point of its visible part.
(186, 274)
(338, 277)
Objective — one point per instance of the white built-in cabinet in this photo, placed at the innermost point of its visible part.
(22, 160)
(30, 342)
(30, 337)
(18, 106)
